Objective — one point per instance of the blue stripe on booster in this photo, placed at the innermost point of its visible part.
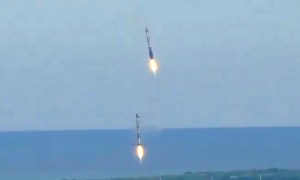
(150, 53)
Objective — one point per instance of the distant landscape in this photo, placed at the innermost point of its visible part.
(255, 174)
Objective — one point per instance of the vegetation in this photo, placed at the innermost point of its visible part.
(268, 174)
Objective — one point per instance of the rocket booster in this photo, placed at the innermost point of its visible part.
(149, 45)
(152, 63)
(138, 135)
(139, 148)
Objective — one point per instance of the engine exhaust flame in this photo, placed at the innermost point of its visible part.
(140, 152)
(153, 66)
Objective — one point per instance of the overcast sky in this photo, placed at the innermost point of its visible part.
(83, 64)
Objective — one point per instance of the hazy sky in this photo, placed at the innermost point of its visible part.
(83, 64)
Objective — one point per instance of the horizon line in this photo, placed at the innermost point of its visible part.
(126, 129)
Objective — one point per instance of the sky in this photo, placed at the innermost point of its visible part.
(84, 64)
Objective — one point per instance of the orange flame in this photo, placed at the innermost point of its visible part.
(140, 152)
(153, 66)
